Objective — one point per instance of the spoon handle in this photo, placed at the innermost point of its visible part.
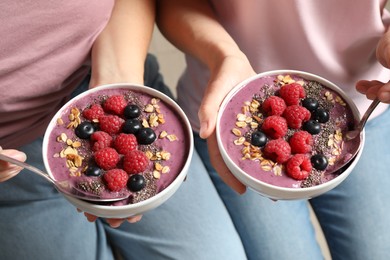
(25, 165)
(367, 114)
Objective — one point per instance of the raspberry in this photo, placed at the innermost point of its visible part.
(111, 124)
(296, 115)
(94, 112)
(299, 167)
(277, 150)
(275, 126)
(301, 142)
(125, 142)
(115, 104)
(107, 158)
(116, 179)
(135, 162)
(100, 140)
(292, 93)
(274, 105)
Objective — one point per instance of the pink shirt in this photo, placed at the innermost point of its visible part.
(330, 38)
(44, 52)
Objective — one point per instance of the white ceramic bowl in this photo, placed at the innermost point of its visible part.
(273, 191)
(109, 211)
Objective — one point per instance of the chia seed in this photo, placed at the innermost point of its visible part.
(312, 180)
(148, 191)
(95, 187)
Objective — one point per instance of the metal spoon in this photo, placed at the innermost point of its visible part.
(359, 128)
(66, 187)
(355, 136)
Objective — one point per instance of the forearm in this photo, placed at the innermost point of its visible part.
(191, 25)
(118, 54)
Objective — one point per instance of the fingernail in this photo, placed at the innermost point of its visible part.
(115, 224)
(20, 156)
(241, 190)
(89, 217)
(203, 129)
(134, 219)
(384, 97)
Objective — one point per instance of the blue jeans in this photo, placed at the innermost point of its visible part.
(354, 216)
(38, 223)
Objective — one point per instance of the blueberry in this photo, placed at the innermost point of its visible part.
(321, 115)
(146, 136)
(319, 161)
(84, 130)
(312, 126)
(93, 171)
(132, 111)
(136, 182)
(258, 138)
(131, 126)
(310, 103)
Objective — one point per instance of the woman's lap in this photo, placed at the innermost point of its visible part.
(38, 223)
(268, 229)
(354, 215)
(193, 224)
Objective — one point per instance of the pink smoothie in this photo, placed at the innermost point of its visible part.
(167, 154)
(245, 105)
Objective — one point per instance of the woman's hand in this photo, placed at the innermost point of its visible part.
(374, 88)
(228, 73)
(8, 170)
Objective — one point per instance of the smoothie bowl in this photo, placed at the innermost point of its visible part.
(282, 133)
(120, 139)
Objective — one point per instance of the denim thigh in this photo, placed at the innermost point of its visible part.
(38, 223)
(355, 215)
(268, 229)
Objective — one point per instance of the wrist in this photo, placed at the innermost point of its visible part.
(215, 55)
(114, 76)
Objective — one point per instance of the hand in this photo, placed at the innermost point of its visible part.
(113, 222)
(376, 89)
(228, 73)
(8, 170)
(383, 50)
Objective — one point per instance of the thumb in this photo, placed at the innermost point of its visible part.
(207, 117)
(18, 155)
(8, 170)
(208, 110)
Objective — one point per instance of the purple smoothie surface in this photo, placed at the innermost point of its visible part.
(243, 114)
(69, 156)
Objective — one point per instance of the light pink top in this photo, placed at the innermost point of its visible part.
(330, 38)
(44, 52)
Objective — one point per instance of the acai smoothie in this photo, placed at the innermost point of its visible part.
(287, 131)
(117, 140)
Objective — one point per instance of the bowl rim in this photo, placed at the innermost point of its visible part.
(307, 76)
(135, 87)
